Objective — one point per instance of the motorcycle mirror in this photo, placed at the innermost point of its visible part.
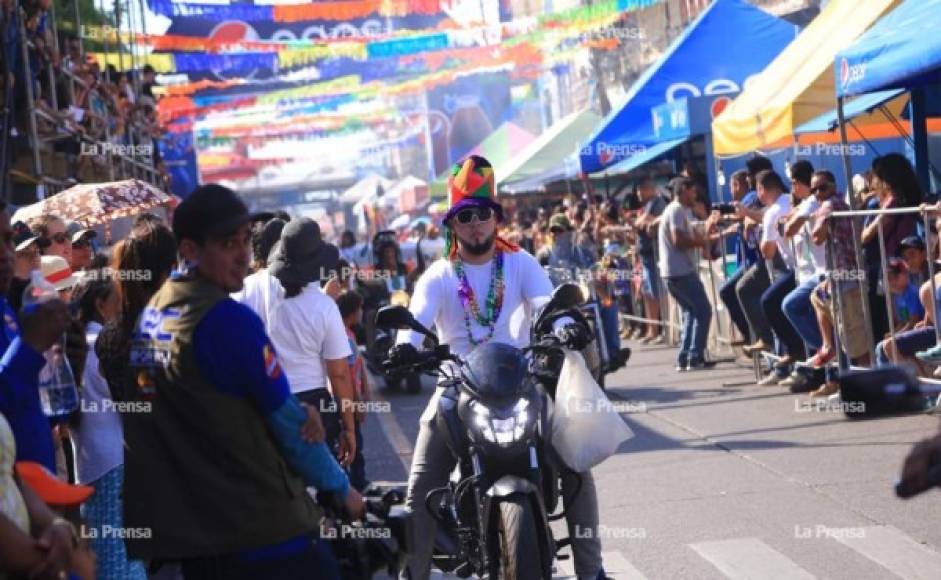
(397, 317)
(566, 296)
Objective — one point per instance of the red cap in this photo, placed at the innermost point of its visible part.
(49, 488)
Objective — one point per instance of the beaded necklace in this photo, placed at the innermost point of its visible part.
(469, 300)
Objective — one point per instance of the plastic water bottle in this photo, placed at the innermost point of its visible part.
(58, 394)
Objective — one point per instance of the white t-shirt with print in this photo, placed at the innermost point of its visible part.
(811, 257)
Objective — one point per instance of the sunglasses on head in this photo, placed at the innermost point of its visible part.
(59, 238)
(466, 216)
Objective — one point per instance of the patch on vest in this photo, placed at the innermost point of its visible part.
(146, 386)
(272, 367)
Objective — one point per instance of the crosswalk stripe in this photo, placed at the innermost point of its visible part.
(616, 565)
(750, 558)
(895, 551)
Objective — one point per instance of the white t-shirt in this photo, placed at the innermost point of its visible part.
(770, 228)
(811, 257)
(436, 301)
(307, 330)
(100, 436)
(260, 292)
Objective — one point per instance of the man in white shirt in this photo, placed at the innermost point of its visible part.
(453, 295)
(777, 251)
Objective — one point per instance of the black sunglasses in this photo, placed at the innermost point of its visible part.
(466, 216)
(820, 188)
(59, 238)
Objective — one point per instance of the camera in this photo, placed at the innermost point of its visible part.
(723, 208)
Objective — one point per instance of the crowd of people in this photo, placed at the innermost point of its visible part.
(87, 111)
(219, 361)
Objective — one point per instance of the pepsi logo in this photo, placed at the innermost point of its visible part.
(719, 105)
(851, 74)
(233, 32)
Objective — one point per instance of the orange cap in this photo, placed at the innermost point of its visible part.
(49, 488)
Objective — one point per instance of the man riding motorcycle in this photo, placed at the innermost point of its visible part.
(471, 296)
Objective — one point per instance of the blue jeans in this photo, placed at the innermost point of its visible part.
(689, 293)
(610, 323)
(800, 312)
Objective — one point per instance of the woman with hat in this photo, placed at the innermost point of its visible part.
(308, 334)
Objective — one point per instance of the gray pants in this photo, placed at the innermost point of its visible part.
(431, 468)
(749, 290)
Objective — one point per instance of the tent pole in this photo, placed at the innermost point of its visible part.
(847, 171)
(918, 120)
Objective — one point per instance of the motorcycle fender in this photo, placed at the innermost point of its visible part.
(509, 485)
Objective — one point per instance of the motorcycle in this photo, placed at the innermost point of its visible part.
(494, 513)
(376, 544)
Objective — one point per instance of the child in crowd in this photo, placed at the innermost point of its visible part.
(907, 307)
(351, 309)
(912, 250)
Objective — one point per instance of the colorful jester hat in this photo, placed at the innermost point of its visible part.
(471, 184)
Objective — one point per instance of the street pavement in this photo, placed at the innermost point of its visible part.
(733, 481)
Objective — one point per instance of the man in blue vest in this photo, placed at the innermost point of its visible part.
(216, 465)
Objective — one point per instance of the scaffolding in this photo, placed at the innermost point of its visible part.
(123, 155)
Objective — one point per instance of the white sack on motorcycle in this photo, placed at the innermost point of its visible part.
(586, 427)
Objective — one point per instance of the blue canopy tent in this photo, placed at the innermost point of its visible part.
(728, 43)
(685, 120)
(901, 51)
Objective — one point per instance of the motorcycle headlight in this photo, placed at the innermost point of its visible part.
(502, 431)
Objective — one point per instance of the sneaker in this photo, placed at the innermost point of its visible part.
(771, 380)
(680, 368)
(784, 362)
(932, 355)
(646, 340)
(821, 358)
(659, 339)
(637, 333)
(826, 390)
(700, 365)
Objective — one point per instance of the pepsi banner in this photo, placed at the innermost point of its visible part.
(179, 156)
(236, 30)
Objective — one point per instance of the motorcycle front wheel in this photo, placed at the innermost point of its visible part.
(518, 554)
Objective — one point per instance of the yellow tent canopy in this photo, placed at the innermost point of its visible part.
(798, 85)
